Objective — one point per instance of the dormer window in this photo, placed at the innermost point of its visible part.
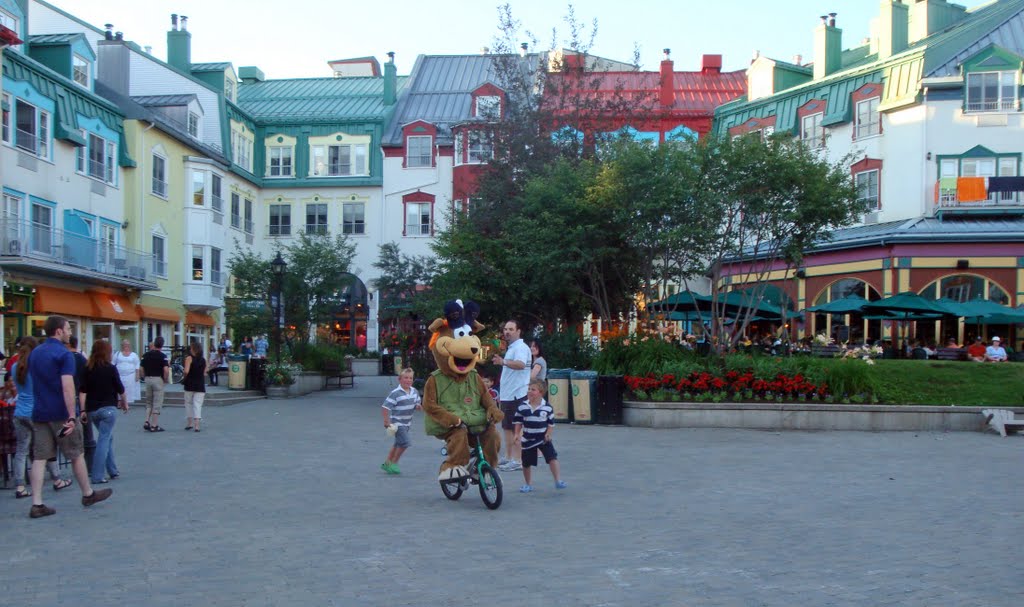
(80, 70)
(992, 91)
(229, 89)
(193, 124)
(419, 151)
(488, 107)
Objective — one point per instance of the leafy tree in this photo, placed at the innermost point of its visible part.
(402, 280)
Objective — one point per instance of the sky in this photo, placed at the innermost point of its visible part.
(295, 39)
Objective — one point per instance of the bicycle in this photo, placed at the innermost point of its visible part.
(177, 370)
(481, 473)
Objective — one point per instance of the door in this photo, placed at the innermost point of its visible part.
(131, 333)
(102, 330)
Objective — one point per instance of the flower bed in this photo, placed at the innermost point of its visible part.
(732, 386)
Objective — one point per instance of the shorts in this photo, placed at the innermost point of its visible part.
(402, 439)
(45, 441)
(530, 455)
(509, 407)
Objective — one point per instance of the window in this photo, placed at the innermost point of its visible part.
(215, 275)
(280, 161)
(248, 216)
(991, 91)
(811, 131)
(197, 264)
(42, 228)
(241, 150)
(198, 188)
(480, 148)
(80, 70)
(7, 118)
(316, 219)
(236, 210)
(419, 151)
(33, 129)
(193, 124)
(339, 160)
(417, 219)
(488, 107)
(159, 255)
(280, 220)
(108, 241)
(229, 89)
(353, 218)
(11, 207)
(81, 152)
(869, 122)
(216, 201)
(96, 158)
(867, 189)
(159, 176)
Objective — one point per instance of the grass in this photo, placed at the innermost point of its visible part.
(925, 382)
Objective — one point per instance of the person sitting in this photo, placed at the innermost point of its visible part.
(951, 343)
(218, 362)
(995, 353)
(976, 351)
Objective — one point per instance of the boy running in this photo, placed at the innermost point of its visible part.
(397, 410)
(534, 421)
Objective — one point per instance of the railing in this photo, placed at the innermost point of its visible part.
(38, 241)
(248, 226)
(997, 105)
(949, 199)
(160, 188)
(28, 141)
(279, 230)
(216, 277)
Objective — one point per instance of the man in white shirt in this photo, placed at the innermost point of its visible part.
(515, 378)
(995, 353)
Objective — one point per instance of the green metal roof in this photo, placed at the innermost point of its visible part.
(211, 67)
(316, 100)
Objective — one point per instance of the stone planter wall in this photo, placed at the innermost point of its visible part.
(305, 383)
(365, 366)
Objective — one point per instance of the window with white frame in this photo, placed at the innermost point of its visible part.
(869, 121)
(80, 70)
(197, 263)
(229, 89)
(990, 167)
(867, 188)
(193, 124)
(32, 129)
(100, 158)
(419, 151)
(108, 240)
(241, 150)
(811, 131)
(159, 255)
(480, 149)
(7, 118)
(339, 160)
(199, 188)
(280, 159)
(280, 223)
(11, 207)
(353, 218)
(42, 228)
(488, 106)
(248, 216)
(992, 91)
(215, 275)
(316, 219)
(417, 219)
(9, 21)
(236, 210)
(159, 176)
(216, 199)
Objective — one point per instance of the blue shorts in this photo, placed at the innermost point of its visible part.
(402, 439)
(530, 455)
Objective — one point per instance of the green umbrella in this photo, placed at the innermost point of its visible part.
(907, 304)
(683, 301)
(851, 304)
(977, 310)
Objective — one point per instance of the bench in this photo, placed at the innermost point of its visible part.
(333, 371)
(1003, 421)
(951, 354)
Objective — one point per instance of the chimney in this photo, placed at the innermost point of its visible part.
(390, 80)
(798, 59)
(119, 36)
(113, 59)
(667, 92)
(109, 34)
(179, 45)
(828, 47)
(929, 17)
(893, 23)
(711, 64)
(523, 48)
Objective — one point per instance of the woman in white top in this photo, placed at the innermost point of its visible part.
(128, 364)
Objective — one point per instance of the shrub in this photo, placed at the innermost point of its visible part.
(282, 374)
(313, 356)
(567, 350)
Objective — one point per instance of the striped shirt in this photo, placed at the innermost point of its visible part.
(535, 422)
(401, 405)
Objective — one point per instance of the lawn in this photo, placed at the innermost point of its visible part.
(925, 382)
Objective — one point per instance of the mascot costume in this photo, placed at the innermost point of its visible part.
(455, 393)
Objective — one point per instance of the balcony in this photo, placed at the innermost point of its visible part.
(54, 251)
(947, 202)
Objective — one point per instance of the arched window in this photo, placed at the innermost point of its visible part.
(850, 327)
(965, 287)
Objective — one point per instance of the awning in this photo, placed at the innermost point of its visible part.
(156, 313)
(199, 318)
(51, 300)
(114, 307)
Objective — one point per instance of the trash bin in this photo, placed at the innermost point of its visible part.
(387, 364)
(609, 399)
(397, 365)
(237, 364)
(584, 393)
(256, 369)
(559, 394)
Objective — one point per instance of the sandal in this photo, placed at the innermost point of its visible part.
(156, 429)
(26, 492)
(63, 483)
(146, 426)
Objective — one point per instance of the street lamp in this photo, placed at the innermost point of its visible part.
(277, 268)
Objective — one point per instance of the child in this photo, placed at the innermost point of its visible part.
(534, 422)
(489, 384)
(397, 410)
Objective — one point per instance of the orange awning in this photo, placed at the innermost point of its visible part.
(51, 300)
(156, 313)
(199, 318)
(114, 307)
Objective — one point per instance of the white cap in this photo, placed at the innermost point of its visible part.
(996, 338)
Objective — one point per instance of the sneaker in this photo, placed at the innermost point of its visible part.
(561, 485)
(502, 461)
(507, 466)
(525, 489)
(386, 467)
(393, 469)
(515, 465)
(98, 495)
(41, 510)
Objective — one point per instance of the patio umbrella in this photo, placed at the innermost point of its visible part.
(978, 310)
(683, 301)
(907, 304)
(851, 304)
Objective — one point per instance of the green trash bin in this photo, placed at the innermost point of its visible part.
(560, 394)
(237, 364)
(584, 396)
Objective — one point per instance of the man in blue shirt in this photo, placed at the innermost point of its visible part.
(54, 422)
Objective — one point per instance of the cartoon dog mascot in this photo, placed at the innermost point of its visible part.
(455, 393)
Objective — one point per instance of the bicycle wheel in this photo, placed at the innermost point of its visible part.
(177, 374)
(490, 486)
(452, 489)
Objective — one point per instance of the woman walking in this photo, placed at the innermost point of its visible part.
(24, 404)
(128, 365)
(195, 386)
(102, 393)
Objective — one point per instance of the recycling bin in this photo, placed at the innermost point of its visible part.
(257, 372)
(609, 399)
(560, 394)
(237, 364)
(584, 395)
(387, 365)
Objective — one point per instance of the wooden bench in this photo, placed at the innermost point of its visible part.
(333, 371)
(950, 354)
(1003, 421)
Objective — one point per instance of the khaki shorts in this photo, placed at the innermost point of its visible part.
(155, 388)
(45, 441)
(509, 408)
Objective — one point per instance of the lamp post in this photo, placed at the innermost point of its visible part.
(277, 268)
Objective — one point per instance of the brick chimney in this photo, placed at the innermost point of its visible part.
(667, 93)
(711, 64)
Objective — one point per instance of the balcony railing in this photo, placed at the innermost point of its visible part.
(949, 199)
(41, 242)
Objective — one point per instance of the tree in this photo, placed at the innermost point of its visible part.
(402, 280)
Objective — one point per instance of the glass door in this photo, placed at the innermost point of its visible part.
(102, 330)
(131, 333)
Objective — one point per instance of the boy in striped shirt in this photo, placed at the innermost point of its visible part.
(397, 410)
(534, 422)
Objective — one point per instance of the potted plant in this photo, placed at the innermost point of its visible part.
(364, 363)
(279, 377)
